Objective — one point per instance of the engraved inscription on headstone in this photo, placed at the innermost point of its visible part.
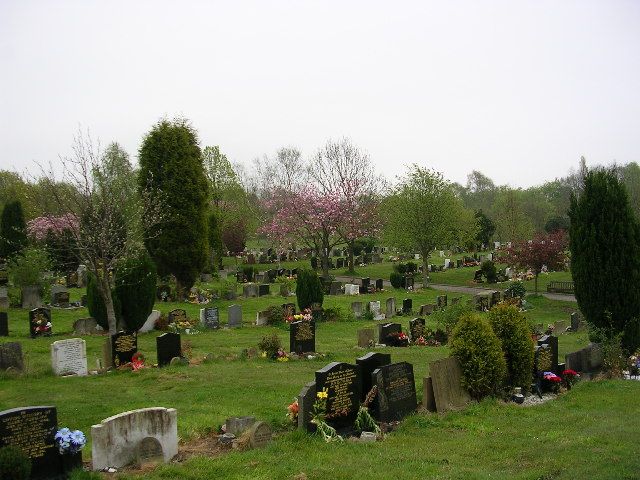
(396, 393)
(123, 346)
(69, 357)
(343, 383)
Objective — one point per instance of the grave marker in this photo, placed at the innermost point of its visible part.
(69, 357)
(407, 306)
(343, 383)
(260, 435)
(210, 317)
(40, 322)
(446, 379)
(234, 316)
(396, 392)
(416, 328)
(123, 346)
(385, 329)
(302, 336)
(4, 324)
(11, 356)
(391, 307)
(85, 326)
(368, 364)
(365, 337)
(168, 346)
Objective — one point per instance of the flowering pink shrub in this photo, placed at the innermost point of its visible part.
(38, 227)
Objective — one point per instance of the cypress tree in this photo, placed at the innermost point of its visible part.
(136, 289)
(171, 166)
(308, 289)
(13, 231)
(605, 257)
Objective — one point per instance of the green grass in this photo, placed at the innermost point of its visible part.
(576, 434)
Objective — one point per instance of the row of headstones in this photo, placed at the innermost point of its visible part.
(366, 338)
(347, 386)
(130, 437)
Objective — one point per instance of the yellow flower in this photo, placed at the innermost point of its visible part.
(323, 393)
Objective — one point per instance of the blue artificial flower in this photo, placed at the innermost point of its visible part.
(77, 438)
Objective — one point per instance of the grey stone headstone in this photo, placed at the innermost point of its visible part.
(260, 435)
(250, 290)
(446, 378)
(11, 356)
(356, 308)
(575, 321)
(238, 425)
(149, 451)
(366, 337)
(306, 399)
(31, 297)
(235, 316)
(262, 318)
(85, 326)
(391, 307)
(69, 357)
(4, 298)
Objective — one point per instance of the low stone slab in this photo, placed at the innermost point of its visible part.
(116, 439)
(446, 378)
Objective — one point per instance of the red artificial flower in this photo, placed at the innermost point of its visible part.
(569, 372)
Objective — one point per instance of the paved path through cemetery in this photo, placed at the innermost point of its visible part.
(463, 289)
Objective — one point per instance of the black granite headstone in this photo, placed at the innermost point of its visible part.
(343, 384)
(364, 287)
(211, 317)
(380, 284)
(396, 395)
(4, 325)
(123, 346)
(409, 282)
(368, 363)
(407, 305)
(263, 289)
(416, 328)
(384, 329)
(168, 346)
(40, 322)
(32, 429)
(302, 336)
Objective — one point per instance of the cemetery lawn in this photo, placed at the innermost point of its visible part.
(591, 429)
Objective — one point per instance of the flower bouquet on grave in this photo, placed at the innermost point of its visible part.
(397, 339)
(304, 315)
(569, 377)
(319, 416)
(281, 355)
(292, 411)
(70, 443)
(183, 325)
(137, 362)
(551, 382)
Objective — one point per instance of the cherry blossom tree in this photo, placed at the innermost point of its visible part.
(545, 250)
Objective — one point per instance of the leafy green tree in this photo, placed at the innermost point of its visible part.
(171, 166)
(605, 256)
(557, 223)
(13, 231)
(423, 212)
(216, 246)
(485, 228)
(136, 289)
(96, 304)
(512, 222)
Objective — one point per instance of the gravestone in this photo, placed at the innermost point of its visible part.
(407, 306)
(416, 328)
(124, 345)
(85, 326)
(351, 289)
(302, 336)
(60, 296)
(427, 309)
(32, 430)
(396, 392)
(587, 359)
(391, 307)
(262, 318)
(150, 322)
(552, 341)
(374, 308)
(263, 289)
(560, 326)
(250, 290)
(40, 322)
(575, 321)
(343, 383)
(234, 316)
(409, 282)
(168, 346)
(238, 425)
(364, 286)
(446, 380)
(380, 284)
(4, 276)
(365, 337)
(4, 325)
(11, 356)
(306, 399)
(441, 301)
(335, 288)
(260, 435)
(115, 440)
(4, 298)
(149, 451)
(385, 329)
(368, 364)
(210, 317)
(495, 298)
(69, 357)
(356, 308)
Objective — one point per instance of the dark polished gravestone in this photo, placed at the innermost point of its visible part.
(210, 317)
(364, 285)
(407, 306)
(263, 289)
(123, 346)
(343, 384)
(11, 356)
(385, 329)
(409, 282)
(302, 336)
(40, 322)
(416, 328)
(4, 324)
(368, 363)
(380, 284)
(168, 346)
(32, 429)
(396, 392)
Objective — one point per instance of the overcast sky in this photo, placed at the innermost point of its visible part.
(517, 89)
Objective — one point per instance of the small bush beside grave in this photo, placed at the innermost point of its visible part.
(309, 289)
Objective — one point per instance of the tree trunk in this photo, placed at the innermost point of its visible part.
(107, 298)
(351, 266)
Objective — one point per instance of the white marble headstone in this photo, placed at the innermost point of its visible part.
(69, 357)
(351, 289)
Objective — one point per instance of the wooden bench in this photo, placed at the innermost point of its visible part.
(560, 287)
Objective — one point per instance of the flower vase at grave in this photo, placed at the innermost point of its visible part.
(71, 461)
